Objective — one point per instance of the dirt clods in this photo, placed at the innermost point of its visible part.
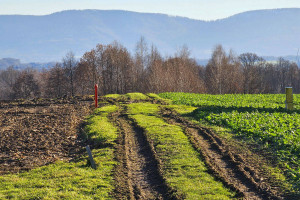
(35, 133)
(138, 172)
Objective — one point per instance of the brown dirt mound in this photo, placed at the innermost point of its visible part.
(38, 132)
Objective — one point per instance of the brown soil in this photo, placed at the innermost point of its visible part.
(138, 175)
(38, 132)
(228, 165)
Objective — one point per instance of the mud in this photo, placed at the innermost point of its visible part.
(226, 164)
(138, 175)
(38, 132)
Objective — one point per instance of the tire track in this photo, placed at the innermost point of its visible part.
(138, 174)
(228, 166)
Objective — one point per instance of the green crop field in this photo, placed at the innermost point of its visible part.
(261, 119)
(166, 146)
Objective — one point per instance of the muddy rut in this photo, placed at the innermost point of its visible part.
(228, 166)
(138, 174)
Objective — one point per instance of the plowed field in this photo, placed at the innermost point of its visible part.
(157, 153)
(38, 132)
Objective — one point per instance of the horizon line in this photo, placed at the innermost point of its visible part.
(170, 15)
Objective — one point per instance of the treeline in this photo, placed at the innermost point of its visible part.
(115, 70)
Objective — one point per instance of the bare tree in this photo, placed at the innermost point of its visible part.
(250, 64)
(69, 64)
(26, 86)
(213, 73)
(8, 78)
(294, 77)
(223, 73)
(154, 74)
(56, 82)
(117, 69)
(141, 63)
(86, 74)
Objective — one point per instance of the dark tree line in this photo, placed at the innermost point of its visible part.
(115, 70)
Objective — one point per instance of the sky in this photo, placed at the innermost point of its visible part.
(195, 9)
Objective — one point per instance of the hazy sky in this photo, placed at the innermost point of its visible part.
(196, 9)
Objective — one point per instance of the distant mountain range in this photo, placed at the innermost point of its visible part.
(16, 63)
(48, 38)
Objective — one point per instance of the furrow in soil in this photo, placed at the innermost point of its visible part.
(139, 164)
(226, 165)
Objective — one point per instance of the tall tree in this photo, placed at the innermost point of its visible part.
(154, 74)
(251, 64)
(141, 63)
(117, 69)
(56, 82)
(26, 86)
(86, 73)
(213, 73)
(8, 78)
(69, 64)
(223, 73)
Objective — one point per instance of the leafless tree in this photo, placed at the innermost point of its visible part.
(223, 73)
(69, 64)
(26, 86)
(141, 63)
(56, 82)
(8, 78)
(251, 64)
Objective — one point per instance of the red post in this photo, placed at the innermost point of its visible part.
(96, 96)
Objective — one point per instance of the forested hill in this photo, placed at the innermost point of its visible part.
(48, 38)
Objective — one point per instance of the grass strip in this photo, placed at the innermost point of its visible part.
(261, 118)
(113, 96)
(99, 129)
(70, 180)
(182, 167)
(136, 96)
(274, 173)
(159, 99)
(154, 96)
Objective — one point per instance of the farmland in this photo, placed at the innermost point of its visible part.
(259, 119)
(37, 132)
(144, 147)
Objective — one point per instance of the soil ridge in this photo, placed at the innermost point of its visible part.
(226, 164)
(138, 173)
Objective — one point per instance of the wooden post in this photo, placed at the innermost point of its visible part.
(96, 96)
(289, 98)
(90, 157)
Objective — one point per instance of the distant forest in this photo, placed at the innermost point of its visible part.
(115, 70)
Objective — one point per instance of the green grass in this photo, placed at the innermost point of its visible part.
(182, 109)
(62, 180)
(260, 118)
(155, 96)
(275, 174)
(136, 96)
(113, 96)
(182, 166)
(131, 96)
(246, 101)
(99, 128)
(70, 180)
